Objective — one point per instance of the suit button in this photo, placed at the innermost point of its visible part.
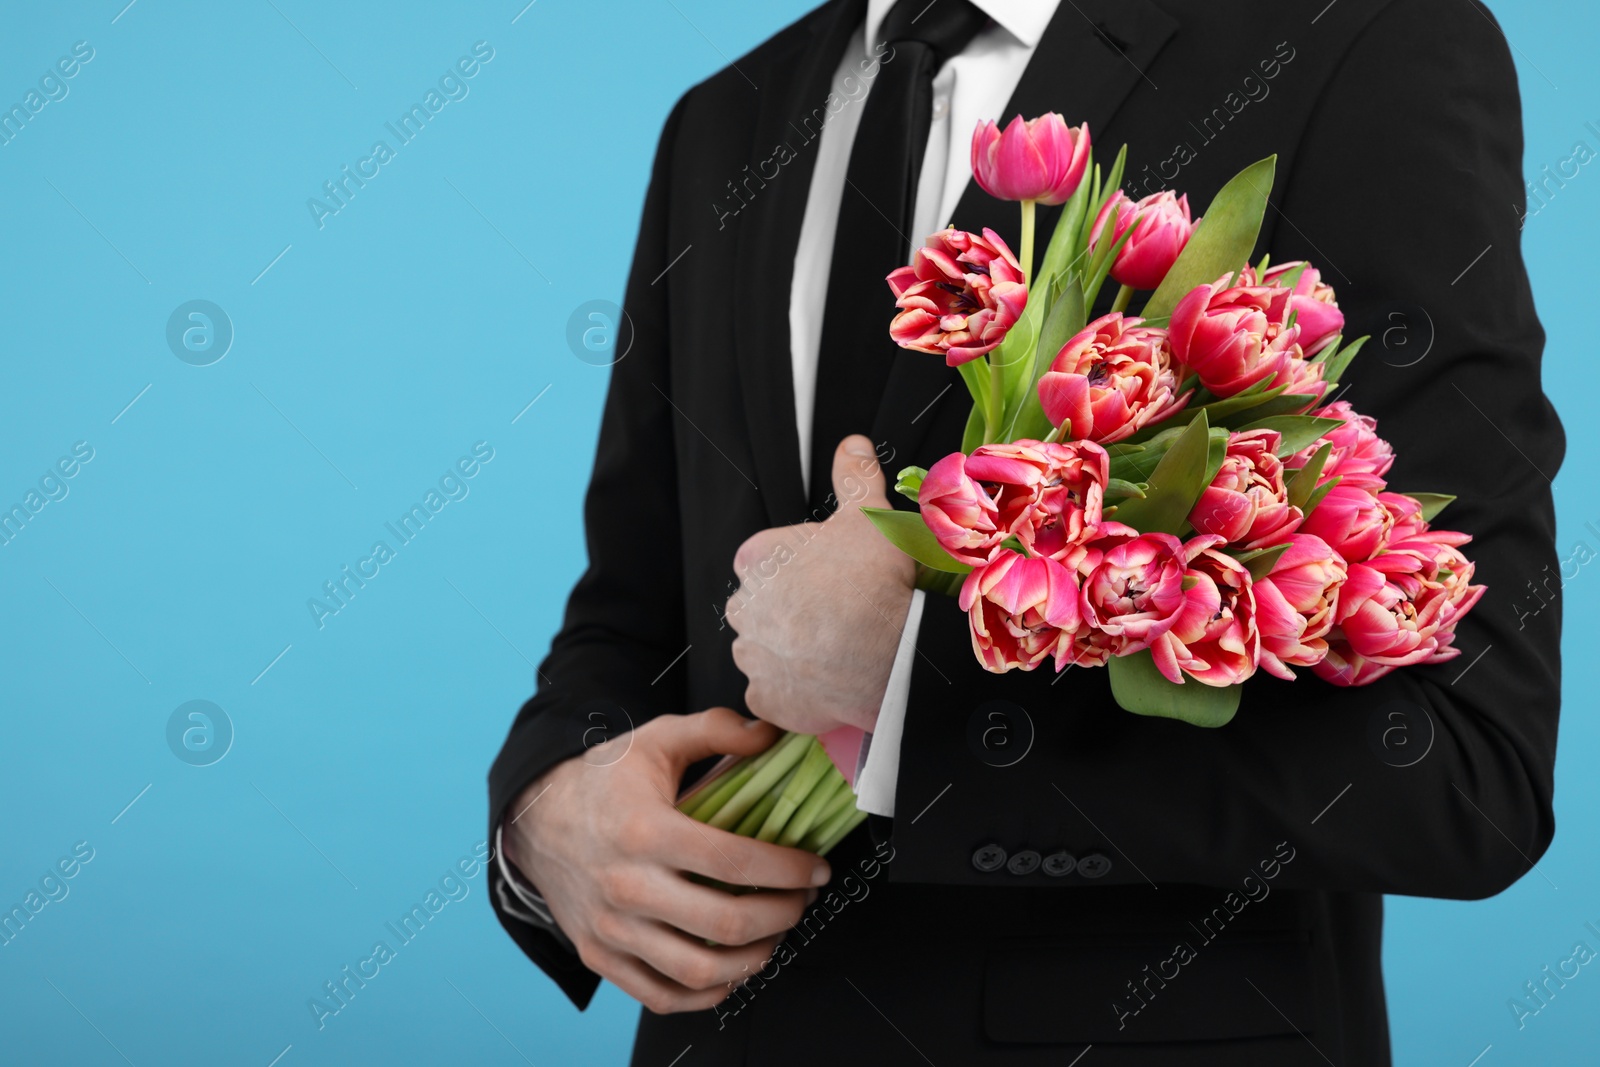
(989, 858)
(1060, 864)
(1094, 865)
(1024, 862)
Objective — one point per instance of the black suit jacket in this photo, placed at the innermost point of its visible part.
(1261, 848)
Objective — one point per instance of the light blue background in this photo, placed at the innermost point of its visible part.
(421, 319)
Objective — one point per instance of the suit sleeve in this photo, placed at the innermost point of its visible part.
(624, 622)
(1406, 191)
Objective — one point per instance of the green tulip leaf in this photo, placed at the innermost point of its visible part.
(1432, 503)
(1303, 482)
(1341, 362)
(1223, 239)
(1317, 494)
(1174, 485)
(1261, 561)
(909, 482)
(1142, 689)
(1296, 431)
(907, 532)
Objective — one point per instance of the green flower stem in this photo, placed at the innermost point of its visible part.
(801, 785)
(710, 799)
(997, 399)
(1027, 241)
(829, 828)
(810, 811)
(1124, 295)
(786, 753)
(756, 817)
(856, 818)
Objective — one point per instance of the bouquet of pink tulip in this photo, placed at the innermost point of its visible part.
(1168, 495)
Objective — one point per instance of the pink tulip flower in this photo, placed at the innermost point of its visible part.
(962, 516)
(1358, 457)
(1295, 605)
(1352, 520)
(1246, 504)
(959, 296)
(1040, 159)
(1111, 380)
(1315, 309)
(1133, 586)
(1227, 337)
(1163, 230)
(1022, 610)
(1215, 639)
(1049, 496)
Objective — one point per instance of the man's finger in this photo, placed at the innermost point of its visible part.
(857, 478)
(715, 914)
(713, 732)
(692, 846)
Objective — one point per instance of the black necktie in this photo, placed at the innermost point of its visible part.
(874, 232)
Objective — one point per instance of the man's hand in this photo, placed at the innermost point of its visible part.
(609, 852)
(820, 607)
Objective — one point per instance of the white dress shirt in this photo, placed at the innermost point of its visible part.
(972, 86)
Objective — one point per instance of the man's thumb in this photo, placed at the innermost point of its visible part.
(857, 479)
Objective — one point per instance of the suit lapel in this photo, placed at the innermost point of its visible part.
(769, 230)
(1088, 61)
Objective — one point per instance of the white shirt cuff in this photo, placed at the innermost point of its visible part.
(876, 783)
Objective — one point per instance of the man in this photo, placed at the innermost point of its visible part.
(1058, 875)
